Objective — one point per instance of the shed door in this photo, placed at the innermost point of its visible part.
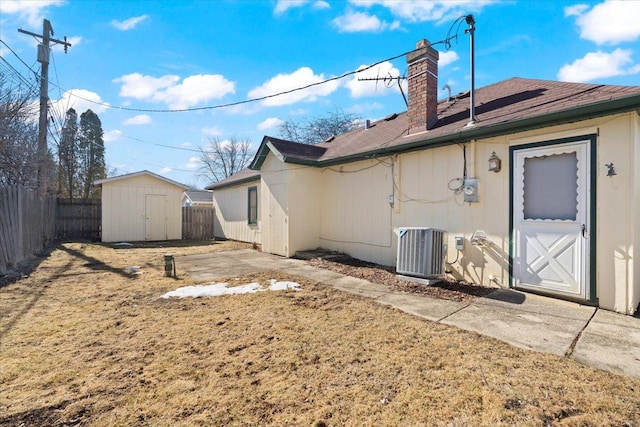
(551, 219)
(155, 217)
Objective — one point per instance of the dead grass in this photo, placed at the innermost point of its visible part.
(82, 342)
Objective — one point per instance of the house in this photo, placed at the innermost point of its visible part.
(538, 183)
(235, 200)
(141, 206)
(202, 198)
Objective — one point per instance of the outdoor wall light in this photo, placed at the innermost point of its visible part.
(611, 171)
(495, 164)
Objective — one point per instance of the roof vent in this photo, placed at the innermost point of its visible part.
(367, 124)
(331, 138)
(390, 117)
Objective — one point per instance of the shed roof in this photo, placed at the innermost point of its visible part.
(509, 106)
(200, 196)
(140, 173)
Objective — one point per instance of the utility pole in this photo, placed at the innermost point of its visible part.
(43, 58)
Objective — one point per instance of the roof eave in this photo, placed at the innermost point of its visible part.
(215, 187)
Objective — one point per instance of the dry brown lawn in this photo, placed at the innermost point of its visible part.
(85, 343)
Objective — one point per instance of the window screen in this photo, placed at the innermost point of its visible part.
(551, 187)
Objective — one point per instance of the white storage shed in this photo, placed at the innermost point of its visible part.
(141, 206)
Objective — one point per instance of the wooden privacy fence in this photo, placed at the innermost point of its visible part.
(78, 219)
(197, 223)
(27, 224)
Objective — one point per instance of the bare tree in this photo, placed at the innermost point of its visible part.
(318, 129)
(19, 159)
(220, 159)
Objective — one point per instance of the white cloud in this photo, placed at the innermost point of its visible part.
(599, 65)
(283, 5)
(321, 4)
(141, 119)
(31, 11)
(354, 22)
(447, 57)
(165, 169)
(575, 10)
(610, 22)
(80, 100)
(112, 135)
(422, 11)
(360, 88)
(193, 163)
(211, 131)
(270, 123)
(128, 24)
(283, 82)
(193, 90)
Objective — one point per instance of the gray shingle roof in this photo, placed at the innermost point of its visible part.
(200, 196)
(505, 107)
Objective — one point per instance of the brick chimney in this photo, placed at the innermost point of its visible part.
(423, 87)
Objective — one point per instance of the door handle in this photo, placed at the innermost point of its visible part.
(584, 231)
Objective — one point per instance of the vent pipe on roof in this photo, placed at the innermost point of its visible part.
(471, 31)
(367, 124)
(448, 88)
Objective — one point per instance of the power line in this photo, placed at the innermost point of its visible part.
(246, 101)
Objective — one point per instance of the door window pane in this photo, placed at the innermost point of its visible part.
(551, 187)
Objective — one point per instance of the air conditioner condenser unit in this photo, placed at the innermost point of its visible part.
(421, 252)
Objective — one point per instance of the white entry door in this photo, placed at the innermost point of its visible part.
(551, 217)
(155, 217)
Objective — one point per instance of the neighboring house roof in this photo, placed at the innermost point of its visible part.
(505, 107)
(135, 174)
(240, 177)
(199, 196)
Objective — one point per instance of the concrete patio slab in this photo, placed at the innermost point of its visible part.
(218, 265)
(536, 304)
(360, 287)
(426, 308)
(525, 326)
(318, 274)
(611, 342)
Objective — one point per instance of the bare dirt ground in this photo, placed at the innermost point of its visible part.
(83, 342)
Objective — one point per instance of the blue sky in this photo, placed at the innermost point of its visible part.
(176, 55)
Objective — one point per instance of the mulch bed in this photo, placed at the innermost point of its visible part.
(448, 289)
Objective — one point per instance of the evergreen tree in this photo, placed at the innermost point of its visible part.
(91, 154)
(68, 162)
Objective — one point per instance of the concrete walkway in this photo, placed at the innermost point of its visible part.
(599, 338)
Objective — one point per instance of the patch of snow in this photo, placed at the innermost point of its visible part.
(218, 289)
(123, 244)
(284, 286)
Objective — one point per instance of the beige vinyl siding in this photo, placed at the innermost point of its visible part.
(124, 209)
(356, 216)
(304, 208)
(231, 213)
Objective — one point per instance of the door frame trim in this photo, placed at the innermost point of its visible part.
(592, 200)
